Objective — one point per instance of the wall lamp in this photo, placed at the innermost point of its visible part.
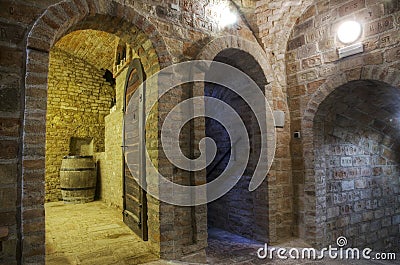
(227, 17)
(348, 33)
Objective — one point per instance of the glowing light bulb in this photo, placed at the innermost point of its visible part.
(227, 18)
(349, 32)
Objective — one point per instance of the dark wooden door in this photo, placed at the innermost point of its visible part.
(135, 202)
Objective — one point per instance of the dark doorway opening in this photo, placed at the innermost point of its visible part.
(240, 216)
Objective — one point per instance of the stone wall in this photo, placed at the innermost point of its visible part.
(314, 70)
(362, 191)
(79, 98)
(357, 152)
(112, 179)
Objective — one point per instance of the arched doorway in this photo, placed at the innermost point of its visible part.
(240, 216)
(89, 74)
(41, 39)
(356, 149)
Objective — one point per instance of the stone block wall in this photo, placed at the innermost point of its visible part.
(79, 98)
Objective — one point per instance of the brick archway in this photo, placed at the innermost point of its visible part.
(273, 93)
(213, 48)
(55, 22)
(390, 76)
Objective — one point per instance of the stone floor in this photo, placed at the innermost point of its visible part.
(90, 233)
(94, 234)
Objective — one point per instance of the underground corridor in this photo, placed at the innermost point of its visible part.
(87, 188)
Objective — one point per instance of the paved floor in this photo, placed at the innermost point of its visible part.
(90, 233)
(93, 234)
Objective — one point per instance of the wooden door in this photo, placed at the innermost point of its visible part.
(135, 202)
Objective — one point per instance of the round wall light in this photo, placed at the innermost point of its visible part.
(349, 31)
(227, 17)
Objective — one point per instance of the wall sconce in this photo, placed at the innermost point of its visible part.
(349, 32)
(227, 17)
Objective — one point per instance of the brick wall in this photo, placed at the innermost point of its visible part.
(112, 177)
(161, 32)
(314, 70)
(357, 152)
(79, 98)
(184, 38)
(15, 21)
(239, 211)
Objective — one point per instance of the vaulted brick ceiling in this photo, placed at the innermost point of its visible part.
(272, 16)
(95, 47)
(365, 104)
(271, 20)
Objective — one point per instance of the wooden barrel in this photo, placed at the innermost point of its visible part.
(78, 179)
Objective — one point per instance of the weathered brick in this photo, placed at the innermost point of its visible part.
(373, 58)
(9, 127)
(19, 12)
(34, 226)
(311, 62)
(33, 164)
(9, 149)
(8, 218)
(296, 43)
(379, 26)
(8, 198)
(8, 173)
(371, 13)
(393, 54)
(351, 7)
(353, 74)
(297, 91)
(12, 33)
(301, 28)
(371, 44)
(33, 213)
(391, 6)
(11, 57)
